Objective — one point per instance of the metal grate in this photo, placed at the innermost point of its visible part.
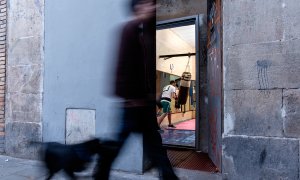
(189, 159)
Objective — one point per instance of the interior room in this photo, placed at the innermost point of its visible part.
(175, 55)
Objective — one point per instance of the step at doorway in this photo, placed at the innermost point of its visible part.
(190, 159)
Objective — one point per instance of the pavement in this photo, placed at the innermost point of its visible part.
(23, 169)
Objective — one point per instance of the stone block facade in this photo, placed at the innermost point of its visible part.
(253, 113)
(248, 158)
(261, 58)
(23, 111)
(3, 22)
(180, 8)
(291, 113)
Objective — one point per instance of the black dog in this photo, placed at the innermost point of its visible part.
(70, 158)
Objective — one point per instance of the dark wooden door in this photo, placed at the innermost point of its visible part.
(215, 98)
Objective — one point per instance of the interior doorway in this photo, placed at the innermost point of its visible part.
(176, 54)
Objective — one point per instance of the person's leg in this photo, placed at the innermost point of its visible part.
(166, 110)
(159, 111)
(154, 149)
(110, 149)
(161, 118)
(159, 108)
(170, 121)
(169, 118)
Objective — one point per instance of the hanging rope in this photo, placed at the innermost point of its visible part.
(188, 64)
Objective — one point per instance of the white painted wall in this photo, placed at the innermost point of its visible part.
(80, 49)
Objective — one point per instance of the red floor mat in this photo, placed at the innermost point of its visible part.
(189, 159)
(186, 125)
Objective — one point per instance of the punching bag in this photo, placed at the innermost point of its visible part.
(185, 83)
(184, 87)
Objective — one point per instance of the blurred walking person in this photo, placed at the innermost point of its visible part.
(135, 84)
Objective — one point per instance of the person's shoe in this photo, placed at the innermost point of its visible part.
(171, 126)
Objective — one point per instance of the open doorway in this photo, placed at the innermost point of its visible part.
(177, 53)
(176, 59)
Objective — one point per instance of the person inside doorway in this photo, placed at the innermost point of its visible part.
(168, 93)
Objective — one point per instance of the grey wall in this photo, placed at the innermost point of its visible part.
(80, 49)
(261, 53)
(170, 9)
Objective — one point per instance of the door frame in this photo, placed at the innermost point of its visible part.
(183, 21)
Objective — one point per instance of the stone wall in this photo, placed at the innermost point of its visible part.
(25, 37)
(2, 72)
(170, 9)
(261, 53)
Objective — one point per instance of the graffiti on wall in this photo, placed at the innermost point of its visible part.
(262, 75)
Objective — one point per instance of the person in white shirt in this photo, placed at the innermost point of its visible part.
(168, 93)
